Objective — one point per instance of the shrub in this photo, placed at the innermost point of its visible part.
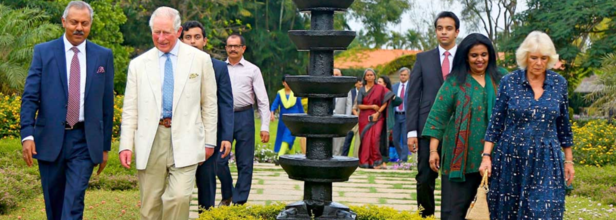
(117, 117)
(594, 143)
(264, 153)
(367, 212)
(9, 115)
(251, 212)
(113, 182)
(373, 212)
(10, 106)
(393, 66)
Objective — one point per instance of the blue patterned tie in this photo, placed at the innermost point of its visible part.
(168, 88)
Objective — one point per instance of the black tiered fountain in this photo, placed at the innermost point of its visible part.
(318, 168)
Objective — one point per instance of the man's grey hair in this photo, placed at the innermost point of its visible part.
(78, 5)
(404, 69)
(167, 12)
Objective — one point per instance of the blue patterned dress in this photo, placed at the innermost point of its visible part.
(528, 179)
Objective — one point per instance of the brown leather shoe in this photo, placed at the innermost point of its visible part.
(225, 202)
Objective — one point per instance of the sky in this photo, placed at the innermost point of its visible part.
(422, 9)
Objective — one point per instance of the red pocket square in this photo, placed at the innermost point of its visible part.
(100, 69)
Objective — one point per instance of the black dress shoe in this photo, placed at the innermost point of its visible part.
(225, 202)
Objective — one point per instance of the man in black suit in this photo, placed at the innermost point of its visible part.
(426, 79)
(193, 34)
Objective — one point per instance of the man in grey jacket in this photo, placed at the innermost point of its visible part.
(342, 107)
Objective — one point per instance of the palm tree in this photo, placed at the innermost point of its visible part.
(605, 95)
(413, 39)
(396, 41)
(20, 30)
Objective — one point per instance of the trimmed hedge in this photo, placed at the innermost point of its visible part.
(393, 66)
(253, 212)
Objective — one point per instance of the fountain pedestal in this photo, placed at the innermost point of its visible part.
(319, 168)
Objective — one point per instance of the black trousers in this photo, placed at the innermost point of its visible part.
(347, 143)
(457, 196)
(206, 180)
(244, 136)
(426, 178)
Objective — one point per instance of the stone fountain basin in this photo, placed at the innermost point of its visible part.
(321, 86)
(304, 125)
(337, 5)
(306, 40)
(336, 169)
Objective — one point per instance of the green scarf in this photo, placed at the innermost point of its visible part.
(287, 102)
(463, 130)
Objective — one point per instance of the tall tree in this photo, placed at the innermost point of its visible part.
(269, 45)
(605, 97)
(17, 43)
(376, 15)
(413, 39)
(108, 17)
(397, 41)
(576, 30)
(495, 17)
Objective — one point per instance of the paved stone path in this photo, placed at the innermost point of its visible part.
(393, 188)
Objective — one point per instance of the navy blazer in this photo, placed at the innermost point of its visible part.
(425, 81)
(406, 90)
(45, 100)
(225, 101)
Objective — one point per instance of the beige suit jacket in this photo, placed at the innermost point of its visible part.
(194, 106)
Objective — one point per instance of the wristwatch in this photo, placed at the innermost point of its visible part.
(486, 154)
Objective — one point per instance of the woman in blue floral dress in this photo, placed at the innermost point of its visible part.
(529, 130)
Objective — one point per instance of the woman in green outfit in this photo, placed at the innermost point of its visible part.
(458, 119)
(389, 121)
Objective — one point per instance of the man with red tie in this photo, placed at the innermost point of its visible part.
(67, 112)
(399, 131)
(431, 68)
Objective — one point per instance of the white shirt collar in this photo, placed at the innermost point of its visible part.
(173, 51)
(442, 50)
(67, 45)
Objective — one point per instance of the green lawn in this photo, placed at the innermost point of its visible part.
(99, 204)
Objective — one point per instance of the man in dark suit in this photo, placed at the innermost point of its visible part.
(67, 110)
(193, 34)
(426, 79)
(399, 131)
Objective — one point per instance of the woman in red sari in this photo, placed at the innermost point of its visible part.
(372, 101)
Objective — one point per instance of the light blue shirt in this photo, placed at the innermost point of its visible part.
(173, 55)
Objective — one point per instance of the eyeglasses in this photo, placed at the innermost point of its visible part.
(234, 46)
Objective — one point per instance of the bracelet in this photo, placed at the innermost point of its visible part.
(569, 162)
(433, 151)
(486, 155)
